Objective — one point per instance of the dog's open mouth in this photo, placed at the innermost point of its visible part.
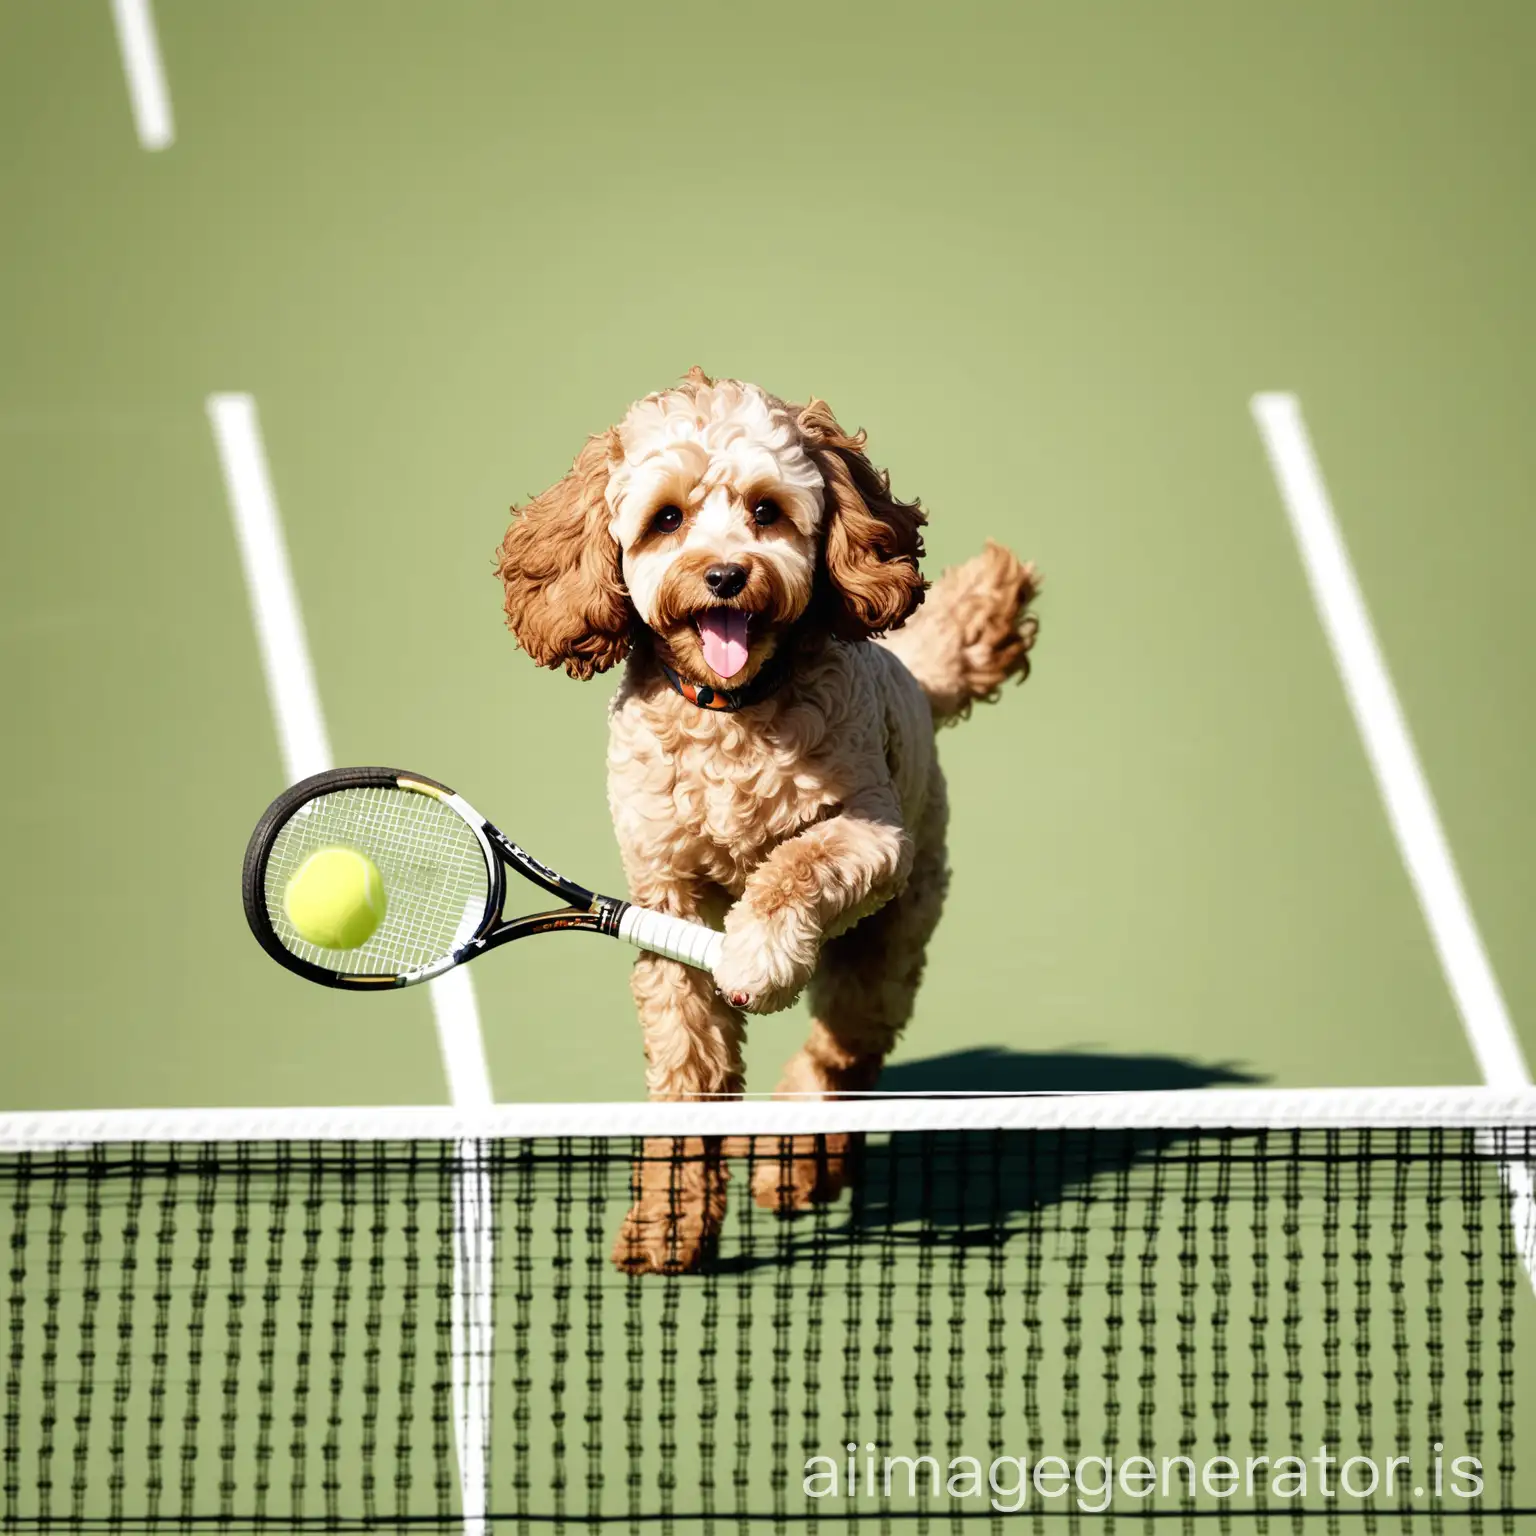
(723, 635)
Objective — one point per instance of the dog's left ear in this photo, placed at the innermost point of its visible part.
(873, 540)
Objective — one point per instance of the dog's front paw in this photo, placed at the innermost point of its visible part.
(762, 968)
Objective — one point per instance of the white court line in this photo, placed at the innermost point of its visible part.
(472, 1340)
(459, 1039)
(1404, 789)
(1399, 775)
(306, 749)
(295, 699)
(145, 74)
(269, 581)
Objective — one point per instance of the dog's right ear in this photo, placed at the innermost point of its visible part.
(559, 565)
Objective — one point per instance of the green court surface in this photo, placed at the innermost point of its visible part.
(1044, 254)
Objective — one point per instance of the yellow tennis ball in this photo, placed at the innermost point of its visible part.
(336, 898)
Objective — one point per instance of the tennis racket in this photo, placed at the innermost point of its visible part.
(444, 872)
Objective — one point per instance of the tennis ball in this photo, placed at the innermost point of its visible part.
(336, 898)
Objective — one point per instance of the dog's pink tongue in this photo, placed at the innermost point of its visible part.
(723, 632)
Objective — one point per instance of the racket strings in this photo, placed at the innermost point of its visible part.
(434, 873)
(439, 870)
(431, 866)
(384, 823)
(428, 890)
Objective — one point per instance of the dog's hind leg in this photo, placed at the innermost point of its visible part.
(861, 997)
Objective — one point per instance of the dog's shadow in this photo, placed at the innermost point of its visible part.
(975, 1187)
(994, 1069)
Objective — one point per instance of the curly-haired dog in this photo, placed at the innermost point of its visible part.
(771, 765)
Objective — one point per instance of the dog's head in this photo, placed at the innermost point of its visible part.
(721, 519)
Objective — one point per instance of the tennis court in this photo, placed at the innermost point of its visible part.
(1048, 259)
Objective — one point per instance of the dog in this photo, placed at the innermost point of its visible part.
(771, 764)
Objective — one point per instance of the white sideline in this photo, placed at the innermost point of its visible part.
(145, 74)
(306, 749)
(269, 582)
(1400, 778)
(1476, 1107)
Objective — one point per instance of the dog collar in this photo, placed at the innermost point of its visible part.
(769, 679)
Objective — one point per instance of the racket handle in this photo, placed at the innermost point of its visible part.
(692, 943)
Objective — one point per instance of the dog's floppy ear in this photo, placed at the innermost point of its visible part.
(873, 540)
(565, 597)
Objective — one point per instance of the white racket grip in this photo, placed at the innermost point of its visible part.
(677, 939)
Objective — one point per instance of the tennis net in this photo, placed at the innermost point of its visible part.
(1229, 1310)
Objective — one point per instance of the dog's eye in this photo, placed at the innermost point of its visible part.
(668, 520)
(766, 513)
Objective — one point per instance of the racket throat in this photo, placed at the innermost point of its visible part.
(609, 911)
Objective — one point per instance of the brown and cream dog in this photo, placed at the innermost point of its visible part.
(771, 762)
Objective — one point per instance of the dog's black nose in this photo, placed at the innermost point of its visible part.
(725, 580)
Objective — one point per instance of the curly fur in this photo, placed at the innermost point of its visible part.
(809, 826)
(977, 633)
(874, 540)
(564, 598)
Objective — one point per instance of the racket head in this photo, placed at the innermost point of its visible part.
(443, 884)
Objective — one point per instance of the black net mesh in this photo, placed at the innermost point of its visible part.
(1031, 1329)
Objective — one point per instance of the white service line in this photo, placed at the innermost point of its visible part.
(474, 1228)
(1399, 775)
(144, 72)
(472, 1339)
(306, 749)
